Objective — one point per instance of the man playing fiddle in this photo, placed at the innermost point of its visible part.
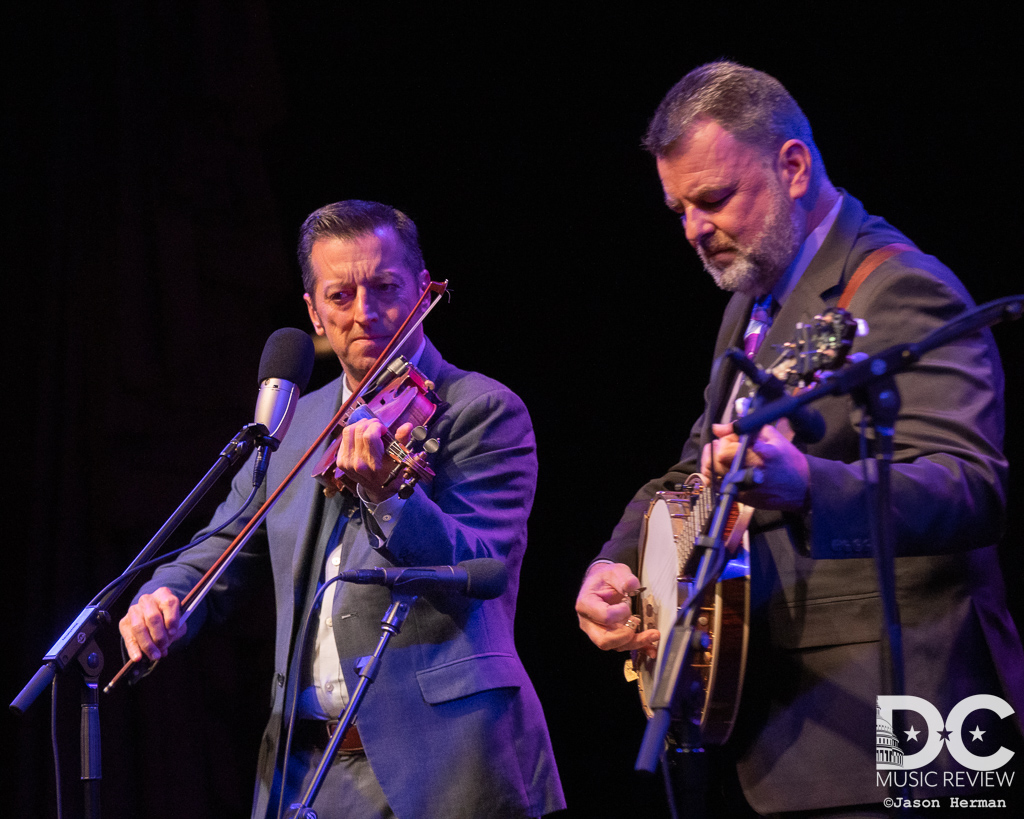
(738, 163)
(451, 727)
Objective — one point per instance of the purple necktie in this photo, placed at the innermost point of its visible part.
(757, 328)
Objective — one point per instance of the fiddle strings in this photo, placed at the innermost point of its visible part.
(206, 582)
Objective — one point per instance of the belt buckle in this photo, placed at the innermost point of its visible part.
(350, 744)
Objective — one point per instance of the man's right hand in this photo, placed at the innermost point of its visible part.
(152, 624)
(605, 611)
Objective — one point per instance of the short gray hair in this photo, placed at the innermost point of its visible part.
(752, 106)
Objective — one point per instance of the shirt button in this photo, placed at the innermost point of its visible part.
(387, 517)
(330, 622)
(329, 687)
(336, 560)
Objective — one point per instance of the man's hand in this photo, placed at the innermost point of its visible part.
(786, 485)
(605, 612)
(363, 457)
(152, 624)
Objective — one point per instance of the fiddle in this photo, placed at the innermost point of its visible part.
(401, 395)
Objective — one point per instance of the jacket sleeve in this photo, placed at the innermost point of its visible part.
(949, 474)
(478, 503)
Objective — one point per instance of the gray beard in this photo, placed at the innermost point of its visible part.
(758, 267)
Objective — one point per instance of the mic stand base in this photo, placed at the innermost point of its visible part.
(686, 770)
(91, 662)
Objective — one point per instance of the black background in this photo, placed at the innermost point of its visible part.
(158, 160)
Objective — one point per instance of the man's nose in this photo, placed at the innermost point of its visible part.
(696, 225)
(366, 306)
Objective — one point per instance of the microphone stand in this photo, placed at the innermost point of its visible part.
(78, 644)
(367, 668)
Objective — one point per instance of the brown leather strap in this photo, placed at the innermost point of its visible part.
(864, 269)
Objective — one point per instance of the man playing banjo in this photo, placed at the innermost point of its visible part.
(738, 163)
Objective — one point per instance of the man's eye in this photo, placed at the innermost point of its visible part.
(340, 297)
(715, 201)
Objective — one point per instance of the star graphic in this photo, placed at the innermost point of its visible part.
(912, 733)
(977, 732)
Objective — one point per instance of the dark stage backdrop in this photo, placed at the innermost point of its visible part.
(159, 158)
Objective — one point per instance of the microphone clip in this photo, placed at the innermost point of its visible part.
(252, 434)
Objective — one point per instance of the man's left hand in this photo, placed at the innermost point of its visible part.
(786, 485)
(363, 457)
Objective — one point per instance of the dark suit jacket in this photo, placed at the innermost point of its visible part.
(805, 735)
(452, 725)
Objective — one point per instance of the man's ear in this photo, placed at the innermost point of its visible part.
(422, 283)
(795, 166)
(313, 315)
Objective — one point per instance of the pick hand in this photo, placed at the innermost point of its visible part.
(605, 613)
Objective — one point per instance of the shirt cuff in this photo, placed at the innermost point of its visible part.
(385, 514)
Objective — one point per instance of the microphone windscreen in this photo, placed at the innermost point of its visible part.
(808, 425)
(487, 578)
(288, 355)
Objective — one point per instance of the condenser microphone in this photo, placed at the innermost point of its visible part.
(482, 578)
(285, 367)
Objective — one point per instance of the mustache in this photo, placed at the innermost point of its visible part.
(717, 244)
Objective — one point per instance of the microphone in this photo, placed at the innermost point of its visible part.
(807, 424)
(285, 367)
(482, 578)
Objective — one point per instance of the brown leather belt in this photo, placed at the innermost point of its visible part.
(317, 733)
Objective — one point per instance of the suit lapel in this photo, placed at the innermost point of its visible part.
(308, 501)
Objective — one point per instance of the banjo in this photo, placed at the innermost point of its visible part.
(668, 557)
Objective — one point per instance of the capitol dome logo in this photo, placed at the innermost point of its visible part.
(888, 754)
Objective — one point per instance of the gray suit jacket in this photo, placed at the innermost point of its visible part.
(805, 738)
(452, 725)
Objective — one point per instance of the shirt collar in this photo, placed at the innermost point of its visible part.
(807, 250)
